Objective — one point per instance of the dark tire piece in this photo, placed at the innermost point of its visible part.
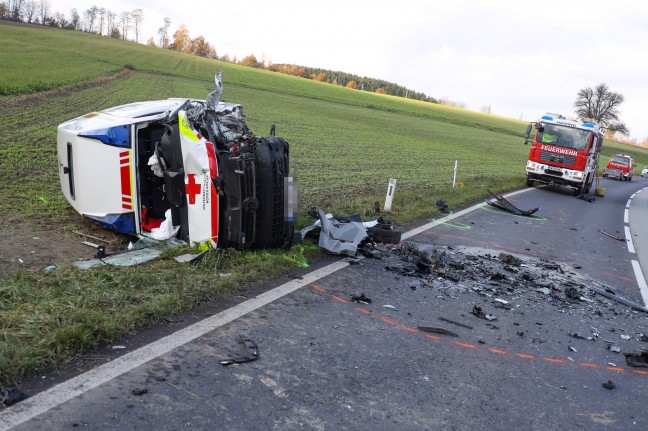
(387, 236)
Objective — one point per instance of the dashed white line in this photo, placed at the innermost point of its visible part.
(628, 203)
(628, 236)
(641, 281)
(626, 216)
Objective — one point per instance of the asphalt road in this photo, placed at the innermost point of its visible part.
(326, 362)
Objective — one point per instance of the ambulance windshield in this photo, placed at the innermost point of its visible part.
(563, 136)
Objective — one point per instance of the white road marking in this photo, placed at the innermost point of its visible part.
(633, 195)
(628, 236)
(641, 281)
(626, 216)
(628, 203)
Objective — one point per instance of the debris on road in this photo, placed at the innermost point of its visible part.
(613, 348)
(572, 349)
(503, 204)
(139, 392)
(252, 353)
(609, 385)
(362, 299)
(437, 330)
(11, 396)
(637, 359)
(477, 311)
(618, 238)
(390, 307)
(623, 301)
(443, 319)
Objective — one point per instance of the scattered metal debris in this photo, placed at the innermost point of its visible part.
(572, 349)
(477, 311)
(624, 337)
(623, 301)
(637, 359)
(252, 353)
(618, 238)
(362, 299)
(505, 205)
(390, 307)
(614, 349)
(437, 330)
(190, 257)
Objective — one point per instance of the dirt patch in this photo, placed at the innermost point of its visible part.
(32, 247)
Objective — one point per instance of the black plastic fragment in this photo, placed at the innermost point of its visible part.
(609, 385)
(463, 325)
(437, 330)
(11, 396)
(505, 205)
(139, 392)
(361, 299)
(477, 311)
(637, 359)
(252, 354)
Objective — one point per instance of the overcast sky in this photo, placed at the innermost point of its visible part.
(521, 58)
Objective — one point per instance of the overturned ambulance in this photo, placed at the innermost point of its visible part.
(183, 168)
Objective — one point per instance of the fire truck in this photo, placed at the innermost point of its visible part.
(563, 152)
(620, 166)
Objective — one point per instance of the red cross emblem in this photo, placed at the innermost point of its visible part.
(192, 188)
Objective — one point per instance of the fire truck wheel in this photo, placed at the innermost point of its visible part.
(629, 178)
(530, 182)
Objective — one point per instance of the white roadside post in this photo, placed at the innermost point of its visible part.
(454, 177)
(390, 194)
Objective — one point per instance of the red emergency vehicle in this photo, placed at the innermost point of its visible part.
(620, 166)
(564, 152)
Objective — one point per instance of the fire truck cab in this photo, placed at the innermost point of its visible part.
(563, 152)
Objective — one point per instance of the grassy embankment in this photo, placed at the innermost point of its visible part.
(346, 144)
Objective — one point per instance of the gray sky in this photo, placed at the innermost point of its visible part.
(521, 58)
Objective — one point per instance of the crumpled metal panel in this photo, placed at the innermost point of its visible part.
(340, 237)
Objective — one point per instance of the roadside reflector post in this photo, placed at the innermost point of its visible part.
(391, 188)
(454, 176)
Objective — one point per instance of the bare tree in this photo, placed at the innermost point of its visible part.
(163, 32)
(601, 105)
(486, 109)
(137, 16)
(125, 21)
(110, 22)
(101, 14)
(43, 10)
(75, 21)
(30, 10)
(91, 16)
(16, 9)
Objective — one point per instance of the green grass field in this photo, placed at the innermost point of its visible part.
(345, 145)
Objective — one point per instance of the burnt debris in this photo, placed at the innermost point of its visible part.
(501, 203)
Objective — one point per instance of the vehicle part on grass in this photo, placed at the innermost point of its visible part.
(190, 257)
(609, 385)
(441, 205)
(11, 396)
(619, 299)
(191, 163)
(144, 250)
(340, 236)
(362, 299)
(613, 348)
(503, 204)
(101, 252)
(463, 325)
(252, 353)
(390, 307)
(139, 392)
(618, 238)
(637, 359)
(477, 311)
(173, 319)
(437, 330)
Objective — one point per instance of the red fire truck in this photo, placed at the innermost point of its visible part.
(563, 152)
(620, 166)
